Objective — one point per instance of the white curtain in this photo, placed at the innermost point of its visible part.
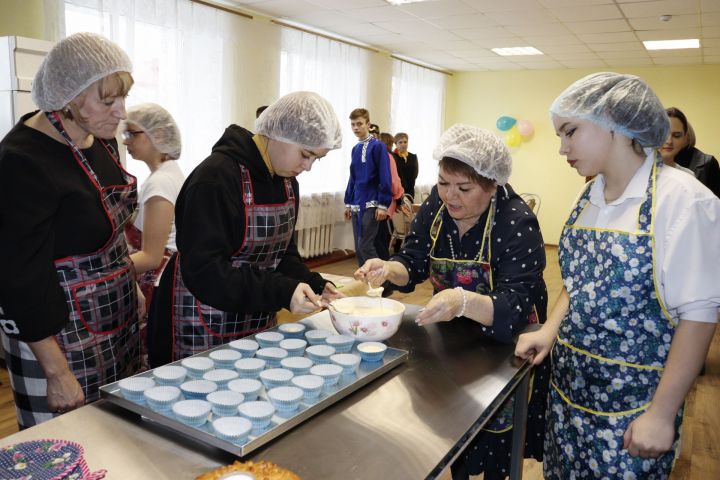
(338, 72)
(418, 103)
(182, 59)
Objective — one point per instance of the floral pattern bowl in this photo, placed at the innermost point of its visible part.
(45, 460)
(365, 318)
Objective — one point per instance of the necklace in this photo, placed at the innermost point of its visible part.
(452, 249)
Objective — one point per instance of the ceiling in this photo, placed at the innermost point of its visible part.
(457, 35)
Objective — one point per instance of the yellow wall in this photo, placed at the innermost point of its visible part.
(479, 98)
(24, 18)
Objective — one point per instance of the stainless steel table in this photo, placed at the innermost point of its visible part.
(408, 424)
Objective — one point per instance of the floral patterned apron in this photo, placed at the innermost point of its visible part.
(474, 276)
(611, 349)
(269, 228)
(100, 341)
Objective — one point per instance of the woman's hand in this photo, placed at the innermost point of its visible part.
(535, 345)
(64, 392)
(649, 436)
(330, 293)
(374, 271)
(442, 307)
(304, 300)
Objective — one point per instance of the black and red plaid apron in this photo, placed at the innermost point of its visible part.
(197, 327)
(100, 341)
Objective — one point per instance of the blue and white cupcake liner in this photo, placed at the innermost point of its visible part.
(249, 387)
(225, 402)
(292, 330)
(341, 343)
(285, 399)
(320, 353)
(348, 361)
(317, 337)
(192, 412)
(133, 388)
(272, 355)
(250, 367)
(221, 376)
(246, 346)
(225, 357)
(371, 351)
(162, 397)
(197, 366)
(269, 339)
(172, 375)
(198, 389)
(232, 429)
(259, 413)
(295, 347)
(276, 377)
(311, 385)
(297, 365)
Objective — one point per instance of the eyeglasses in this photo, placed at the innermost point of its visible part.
(128, 134)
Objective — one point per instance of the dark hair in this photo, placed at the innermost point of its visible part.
(260, 110)
(387, 139)
(674, 112)
(374, 129)
(360, 112)
(401, 135)
(455, 166)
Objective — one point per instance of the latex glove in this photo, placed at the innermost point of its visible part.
(649, 435)
(64, 392)
(330, 293)
(442, 307)
(304, 300)
(535, 345)
(373, 271)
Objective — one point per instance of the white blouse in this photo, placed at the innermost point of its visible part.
(686, 227)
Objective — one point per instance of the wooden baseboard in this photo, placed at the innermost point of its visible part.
(335, 256)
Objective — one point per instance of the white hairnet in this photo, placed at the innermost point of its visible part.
(484, 151)
(74, 64)
(617, 102)
(302, 118)
(159, 125)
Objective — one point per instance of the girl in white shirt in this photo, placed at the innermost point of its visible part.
(633, 323)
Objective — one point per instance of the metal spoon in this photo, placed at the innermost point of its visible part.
(374, 292)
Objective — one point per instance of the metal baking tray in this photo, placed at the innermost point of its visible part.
(365, 373)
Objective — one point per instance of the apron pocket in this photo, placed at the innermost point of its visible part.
(107, 304)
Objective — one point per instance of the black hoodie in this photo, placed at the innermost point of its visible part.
(210, 222)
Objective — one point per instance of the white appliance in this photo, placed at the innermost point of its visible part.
(20, 58)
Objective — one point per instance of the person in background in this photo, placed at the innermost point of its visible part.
(369, 190)
(152, 136)
(237, 263)
(68, 296)
(631, 328)
(480, 245)
(259, 110)
(374, 131)
(679, 149)
(382, 239)
(407, 164)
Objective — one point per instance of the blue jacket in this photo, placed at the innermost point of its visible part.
(370, 184)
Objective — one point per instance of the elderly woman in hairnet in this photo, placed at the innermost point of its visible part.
(237, 262)
(633, 323)
(152, 136)
(481, 247)
(67, 287)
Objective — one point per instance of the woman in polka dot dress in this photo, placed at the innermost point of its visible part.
(481, 247)
(634, 321)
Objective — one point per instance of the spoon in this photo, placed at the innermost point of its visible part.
(374, 292)
(332, 306)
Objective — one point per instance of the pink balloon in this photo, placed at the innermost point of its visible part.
(525, 128)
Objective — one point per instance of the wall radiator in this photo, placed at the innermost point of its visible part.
(314, 229)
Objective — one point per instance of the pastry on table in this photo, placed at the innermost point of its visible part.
(260, 470)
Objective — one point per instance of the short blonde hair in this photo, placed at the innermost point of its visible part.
(116, 84)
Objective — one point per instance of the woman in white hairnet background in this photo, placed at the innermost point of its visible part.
(67, 287)
(481, 247)
(631, 328)
(237, 262)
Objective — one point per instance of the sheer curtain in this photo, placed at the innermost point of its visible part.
(418, 103)
(180, 58)
(338, 72)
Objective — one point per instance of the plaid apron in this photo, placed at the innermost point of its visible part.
(100, 341)
(474, 276)
(197, 327)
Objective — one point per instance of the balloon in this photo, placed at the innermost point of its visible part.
(505, 123)
(513, 138)
(525, 128)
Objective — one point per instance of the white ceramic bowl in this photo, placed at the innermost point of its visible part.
(198, 389)
(133, 388)
(225, 358)
(269, 339)
(246, 346)
(292, 330)
(162, 397)
(348, 362)
(276, 377)
(372, 319)
(197, 366)
(192, 412)
(170, 375)
(233, 429)
(285, 399)
(225, 402)
(372, 351)
(259, 413)
(249, 387)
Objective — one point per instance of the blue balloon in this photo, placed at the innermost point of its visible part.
(505, 123)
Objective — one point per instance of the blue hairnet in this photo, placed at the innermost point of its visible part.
(619, 103)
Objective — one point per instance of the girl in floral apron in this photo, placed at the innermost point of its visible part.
(68, 295)
(237, 263)
(480, 246)
(634, 321)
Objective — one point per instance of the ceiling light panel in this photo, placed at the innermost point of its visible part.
(672, 44)
(512, 51)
